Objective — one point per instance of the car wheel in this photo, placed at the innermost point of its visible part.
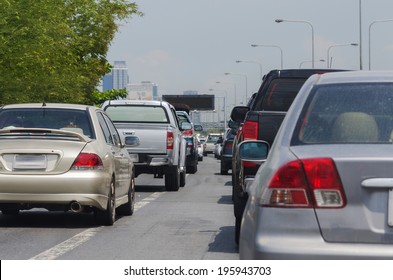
(239, 204)
(128, 208)
(223, 171)
(238, 222)
(192, 169)
(172, 180)
(183, 179)
(107, 217)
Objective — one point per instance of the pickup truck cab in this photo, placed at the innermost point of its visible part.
(154, 135)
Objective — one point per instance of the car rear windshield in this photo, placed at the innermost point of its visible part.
(137, 114)
(49, 118)
(280, 94)
(347, 113)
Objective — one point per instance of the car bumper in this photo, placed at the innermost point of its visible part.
(87, 188)
(278, 234)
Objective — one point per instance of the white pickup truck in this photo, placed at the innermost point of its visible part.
(153, 138)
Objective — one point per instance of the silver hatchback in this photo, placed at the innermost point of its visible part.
(63, 157)
(326, 188)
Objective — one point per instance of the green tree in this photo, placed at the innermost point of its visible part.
(55, 50)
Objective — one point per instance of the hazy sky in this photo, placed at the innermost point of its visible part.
(189, 44)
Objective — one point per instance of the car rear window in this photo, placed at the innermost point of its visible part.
(280, 94)
(347, 113)
(50, 118)
(137, 114)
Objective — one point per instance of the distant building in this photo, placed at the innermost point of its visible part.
(143, 91)
(118, 78)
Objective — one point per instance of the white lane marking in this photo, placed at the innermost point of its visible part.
(84, 236)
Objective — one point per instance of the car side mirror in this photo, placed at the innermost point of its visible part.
(198, 127)
(255, 151)
(238, 113)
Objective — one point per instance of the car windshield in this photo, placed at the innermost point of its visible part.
(50, 118)
(212, 138)
(137, 114)
(347, 113)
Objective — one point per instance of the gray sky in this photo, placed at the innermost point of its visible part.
(189, 45)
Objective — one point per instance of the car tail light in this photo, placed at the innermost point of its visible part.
(188, 132)
(86, 161)
(305, 183)
(228, 148)
(169, 140)
(250, 130)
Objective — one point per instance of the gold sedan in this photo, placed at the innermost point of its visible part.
(63, 157)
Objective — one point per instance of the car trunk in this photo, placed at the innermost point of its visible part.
(38, 156)
(366, 173)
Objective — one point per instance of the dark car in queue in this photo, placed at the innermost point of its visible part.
(227, 148)
(325, 189)
(191, 139)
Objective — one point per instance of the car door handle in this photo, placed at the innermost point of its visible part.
(377, 183)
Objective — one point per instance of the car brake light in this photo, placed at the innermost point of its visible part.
(250, 130)
(228, 148)
(169, 140)
(305, 183)
(86, 161)
(188, 132)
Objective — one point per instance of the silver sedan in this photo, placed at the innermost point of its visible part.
(63, 157)
(326, 188)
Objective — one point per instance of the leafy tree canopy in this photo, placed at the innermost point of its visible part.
(55, 50)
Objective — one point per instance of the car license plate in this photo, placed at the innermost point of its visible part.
(29, 162)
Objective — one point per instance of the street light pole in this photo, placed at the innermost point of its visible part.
(369, 39)
(260, 65)
(274, 46)
(329, 65)
(360, 36)
(245, 76)
(234, 90)
(225, 108)
(312, 34)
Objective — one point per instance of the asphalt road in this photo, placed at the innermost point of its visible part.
(195, 223)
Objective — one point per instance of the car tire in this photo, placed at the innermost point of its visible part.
(192, 169)
(239, 204)
(107, 217)
(128, 208)
(183, 179)
(172, 180)
(223, 171)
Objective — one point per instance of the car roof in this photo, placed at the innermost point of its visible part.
(47, 105)
(137, 102)
(298, 73)
(355, 77)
